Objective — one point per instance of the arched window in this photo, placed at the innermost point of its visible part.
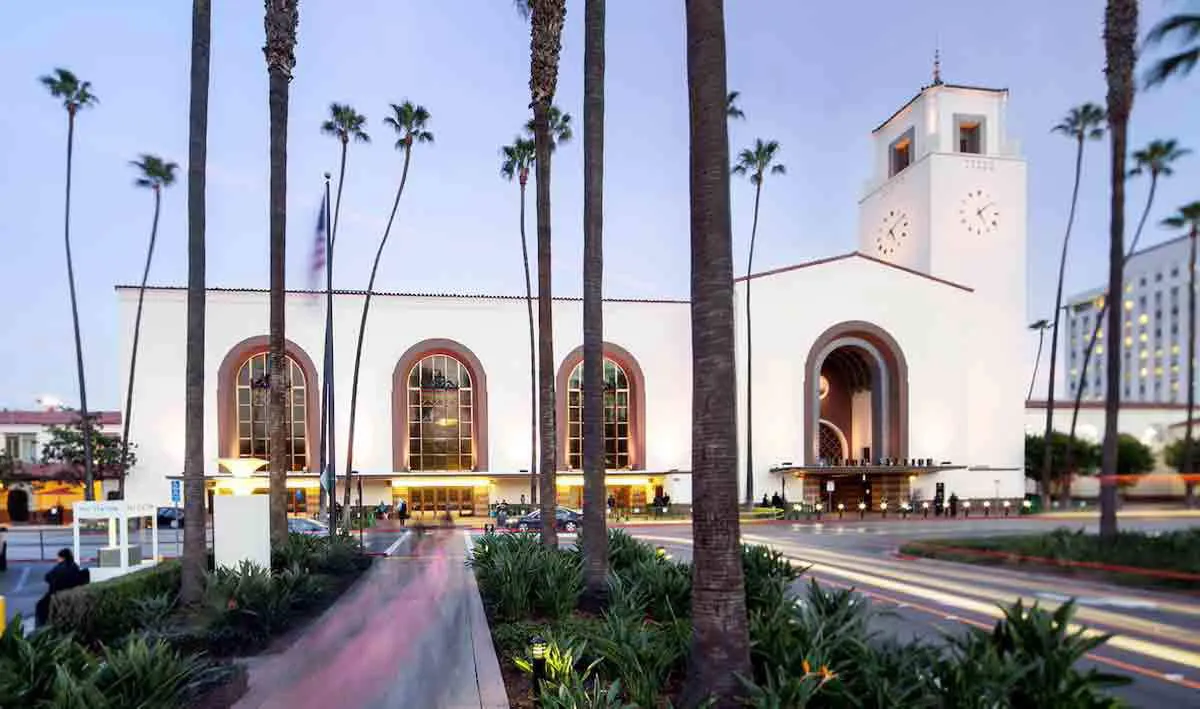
(616, 417)
(441, 410)
(253, 434)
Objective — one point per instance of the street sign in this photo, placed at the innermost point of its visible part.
(828, 486)
(176, 490)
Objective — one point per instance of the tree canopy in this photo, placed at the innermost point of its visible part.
(66, 448)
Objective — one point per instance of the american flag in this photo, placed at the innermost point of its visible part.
(316, 280)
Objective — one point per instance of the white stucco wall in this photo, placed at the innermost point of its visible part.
(928, 320)
(657, 334)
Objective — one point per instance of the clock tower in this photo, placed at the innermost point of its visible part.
(947, 199)
(947, 195)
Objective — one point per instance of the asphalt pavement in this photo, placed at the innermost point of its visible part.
(1156, 635)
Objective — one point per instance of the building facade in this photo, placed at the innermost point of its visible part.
(880, 376)
(1154, 341)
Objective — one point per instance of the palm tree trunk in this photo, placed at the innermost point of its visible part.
(1120, 37)
(595, 536)
(195, 547)
(1037, 360)
(137, 332)
(1189, 456)
(85, 422)
(750, 356)
(278, 405)
(1047, 472)
(1087, 353)
(362, 331)
(337, 208)
(720, 640)
(548, 464)
(533, 387)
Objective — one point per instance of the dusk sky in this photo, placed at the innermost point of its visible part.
(817, 77)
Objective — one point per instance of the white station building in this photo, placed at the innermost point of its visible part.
(884, 371)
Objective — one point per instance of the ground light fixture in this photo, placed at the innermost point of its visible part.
(905, 508)
(883, 508)
(987, 508)
(1007, 505)
(967, 508)
(660, 552)
(862, 510)
(925, 509)
(1026, 504)
(841, 509)
(537, 652)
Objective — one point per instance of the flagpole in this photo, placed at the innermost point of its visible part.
(325, 368)
(331, 431)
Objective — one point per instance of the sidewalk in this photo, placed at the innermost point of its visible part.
(411, 633)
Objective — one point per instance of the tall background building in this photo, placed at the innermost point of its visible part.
(1154, 330)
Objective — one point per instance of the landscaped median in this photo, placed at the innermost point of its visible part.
(811, 646)
(127, 642)
(1150, 559)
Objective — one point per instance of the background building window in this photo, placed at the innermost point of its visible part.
(900, 153)
(616, 417)
(970, 137)
(440, 415)
(252, 396)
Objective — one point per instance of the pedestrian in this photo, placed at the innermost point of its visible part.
(953, 505)
(502, 514)
(66, 574)
(776, 501)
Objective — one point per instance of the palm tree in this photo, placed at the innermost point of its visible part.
(281, 19)
(545, 28)
(517, 159)
(561, 131)
(75, 94)
(756, 162)
(720, 649)
(1188, 218)
(1081, 124)
(732, 110)
(1040, 327)
(595, 534)
(154, 174)
(1185, 26)
(195, 546)
(1120, 38)
(409, 121)
(345, 124)
(1155, 159)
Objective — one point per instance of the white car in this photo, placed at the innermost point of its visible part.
(311, 527)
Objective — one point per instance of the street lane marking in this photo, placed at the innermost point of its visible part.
(1123, 642)
(1124, 603)
(21, 581)
(395, 546)
(887, 570)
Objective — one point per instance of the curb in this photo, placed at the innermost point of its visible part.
(489, 680)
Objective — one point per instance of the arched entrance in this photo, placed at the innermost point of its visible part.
(18, 505)
(856, 385)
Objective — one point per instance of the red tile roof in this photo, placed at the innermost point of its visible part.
(54, 418)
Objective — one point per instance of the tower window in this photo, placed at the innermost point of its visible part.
(900, 154)
(968, 132)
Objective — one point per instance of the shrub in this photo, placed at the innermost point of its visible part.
(768, 576)
(640, 653)
(339, 555)
(519, 578)
(50, 669)
(247, 605)
(558, 583)
(625, 552)
(106, 611)
(667, 586)
(584, 693)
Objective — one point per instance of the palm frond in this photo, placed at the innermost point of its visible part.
(560, 126)
(1156, 157)
(732, 110)
(1187, 216)
(408, 120)
(1180, 64)
(74, 93)
(1085, 121)
(522, 7)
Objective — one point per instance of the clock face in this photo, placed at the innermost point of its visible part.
(979, 213)
(892, 231)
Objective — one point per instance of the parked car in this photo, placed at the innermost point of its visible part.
(311, 527)
(565, 520)
(170, 517)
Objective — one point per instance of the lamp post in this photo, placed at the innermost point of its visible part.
(967, 509)
(862, 510)
(537, 652)
(904, 508)
(883, 509)
(925, 509)
(1007, 505)
(841, 509)
(987, 508)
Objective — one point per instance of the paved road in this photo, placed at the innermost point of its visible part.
(1156, 635)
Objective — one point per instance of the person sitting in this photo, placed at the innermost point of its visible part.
(65, 575)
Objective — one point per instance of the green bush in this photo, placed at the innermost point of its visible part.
(520, 578)
(768, 576)
(107, 611)
(339, 555)
(248, 604)
(51, 669)
(625, 552)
